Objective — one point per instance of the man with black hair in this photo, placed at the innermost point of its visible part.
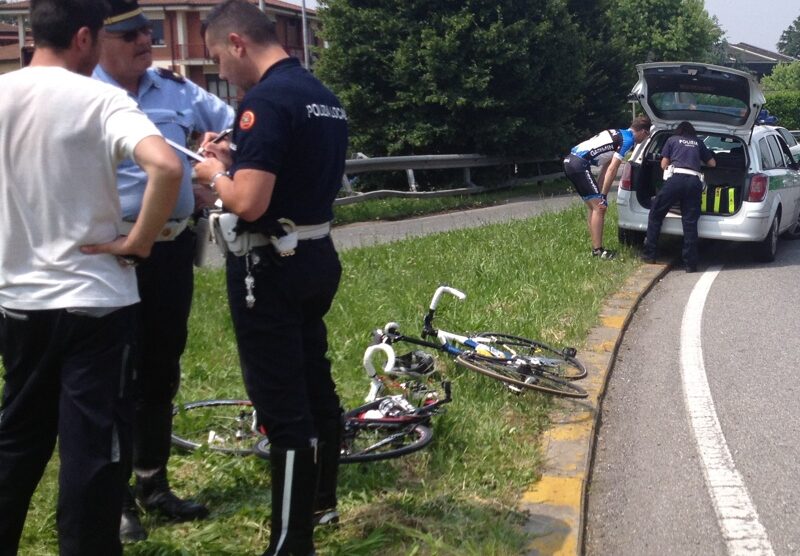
(179, 108)
(67, 286)
(291, 138)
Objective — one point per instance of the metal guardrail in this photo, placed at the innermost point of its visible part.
(408, 164)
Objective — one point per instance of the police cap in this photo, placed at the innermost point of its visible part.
(125, 15)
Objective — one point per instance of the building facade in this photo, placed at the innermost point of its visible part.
(177, 42)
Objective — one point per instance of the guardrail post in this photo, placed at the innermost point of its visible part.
(468, 178)
(412, 182)
(346, 186)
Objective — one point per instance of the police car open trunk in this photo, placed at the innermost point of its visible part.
(727, 184)
(721, 103)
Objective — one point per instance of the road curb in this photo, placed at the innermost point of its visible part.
(556, 503)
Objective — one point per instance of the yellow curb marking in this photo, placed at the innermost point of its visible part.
(572, 431)
(615, 321)
(565, 492)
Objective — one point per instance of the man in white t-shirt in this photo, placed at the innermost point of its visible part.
(66, 283)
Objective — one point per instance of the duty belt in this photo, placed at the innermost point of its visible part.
(312, 231)
(688, 171)
(169, 232)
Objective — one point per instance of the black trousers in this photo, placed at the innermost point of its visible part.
(687, 189)
(165, 286)
(282, 339)
(66, 376)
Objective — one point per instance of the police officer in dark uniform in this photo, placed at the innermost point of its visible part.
(179, 108)
(683, 154)
(290, 140)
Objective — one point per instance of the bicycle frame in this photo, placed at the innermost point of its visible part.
(457, 344)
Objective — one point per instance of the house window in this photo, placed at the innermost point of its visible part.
(158, 32)
(224, 90)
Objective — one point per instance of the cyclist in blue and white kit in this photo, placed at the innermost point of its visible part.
(607, 149)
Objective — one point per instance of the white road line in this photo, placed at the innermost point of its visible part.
(736, 514)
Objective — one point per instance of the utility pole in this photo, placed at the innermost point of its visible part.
(305, 37)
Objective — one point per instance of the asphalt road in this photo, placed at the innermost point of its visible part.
(364, 234)
(648, 491)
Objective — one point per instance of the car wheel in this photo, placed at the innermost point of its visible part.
(794, 231)
(766, 249)
(630, 237)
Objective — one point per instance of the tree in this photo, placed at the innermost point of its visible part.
(789, 43)
(602, 103)
(664, 30)
(487, 76)
(784, 77)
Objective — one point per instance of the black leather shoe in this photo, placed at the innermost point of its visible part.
(154, 495)
(130, 527)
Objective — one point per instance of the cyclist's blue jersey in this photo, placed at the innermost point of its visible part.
(616, 142)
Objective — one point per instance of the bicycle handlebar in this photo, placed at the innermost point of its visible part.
(376, 385)
(445, 289)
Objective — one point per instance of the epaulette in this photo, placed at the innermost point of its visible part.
(171, 75)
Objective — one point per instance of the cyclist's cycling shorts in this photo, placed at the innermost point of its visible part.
(578, 171)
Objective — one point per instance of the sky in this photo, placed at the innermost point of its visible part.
(756, 22)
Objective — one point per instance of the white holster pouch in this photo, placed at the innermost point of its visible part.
(668, 172)
(223, 226)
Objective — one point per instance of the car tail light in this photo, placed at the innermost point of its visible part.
(759, 183)
(625, 180)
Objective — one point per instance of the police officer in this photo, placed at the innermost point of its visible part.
(291, 138)
(682, 156)
(66, 303)
(179, 108)
(607, 149)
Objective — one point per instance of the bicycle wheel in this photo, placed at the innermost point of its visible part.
(371, 442)
(558, 362)
(227, 426)
(511, 372)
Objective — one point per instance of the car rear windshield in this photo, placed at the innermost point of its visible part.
(705, 96)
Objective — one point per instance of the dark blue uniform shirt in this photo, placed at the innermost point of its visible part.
(686, 152)
(292, 126)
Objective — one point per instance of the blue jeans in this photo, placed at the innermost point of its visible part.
(686, 189)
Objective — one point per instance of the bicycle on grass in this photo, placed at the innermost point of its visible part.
(518, 362)
(385, 427)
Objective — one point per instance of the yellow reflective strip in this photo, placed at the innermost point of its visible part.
(731, 204)
(704, 201)
(122, 17)
(717, 199)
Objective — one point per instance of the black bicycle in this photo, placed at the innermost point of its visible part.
(387, 426)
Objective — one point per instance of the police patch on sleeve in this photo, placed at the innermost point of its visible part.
(247, 120)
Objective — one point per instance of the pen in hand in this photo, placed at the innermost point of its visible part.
(222, 135)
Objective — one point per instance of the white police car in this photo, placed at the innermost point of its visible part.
(753, 193)
(791, 140)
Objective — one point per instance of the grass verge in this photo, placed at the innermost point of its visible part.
(533, 277)
(399, 208)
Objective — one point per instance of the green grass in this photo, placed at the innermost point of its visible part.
(398, 208)
(532, 277)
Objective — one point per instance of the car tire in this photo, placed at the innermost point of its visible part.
(633, 238)
(766, 249)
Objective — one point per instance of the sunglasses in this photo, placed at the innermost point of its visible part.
(133, 34)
